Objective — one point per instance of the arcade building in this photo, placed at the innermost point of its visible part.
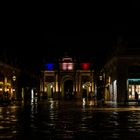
(16, 84)
(122, 82)
(8, 82)
(67, 79)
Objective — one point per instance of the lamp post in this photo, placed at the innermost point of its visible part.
(14, 86)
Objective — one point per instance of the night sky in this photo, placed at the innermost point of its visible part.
(95, 45)
(30, 37)
(33, 47)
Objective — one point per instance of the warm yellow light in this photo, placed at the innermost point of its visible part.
(1, 83)
(109, 79)
(14, 78)
(8, 84)
(56, 86)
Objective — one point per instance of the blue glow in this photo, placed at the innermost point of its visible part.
(133, 79)
(49, 66)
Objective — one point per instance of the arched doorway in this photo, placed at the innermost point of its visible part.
(68, 88)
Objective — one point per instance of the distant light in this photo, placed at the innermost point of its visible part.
(67, 66)
(101, 77)
(32, 93)
(134, 79)
(51, 86)
(1, 83)
(14, 78)
(85, 66)
(64, 66)
(70, 66)
(49, 66)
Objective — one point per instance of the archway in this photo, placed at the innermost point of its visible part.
(68, 88)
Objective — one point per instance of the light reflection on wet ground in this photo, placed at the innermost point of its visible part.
(53, 119)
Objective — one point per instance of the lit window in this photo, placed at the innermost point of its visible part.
(64, 66)
(67, 66)
(70, 66)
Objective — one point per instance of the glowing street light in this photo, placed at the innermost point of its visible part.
(14, 78)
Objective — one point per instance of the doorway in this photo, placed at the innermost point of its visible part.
(68, 88)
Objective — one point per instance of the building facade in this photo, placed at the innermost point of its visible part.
(67, 79)
(8, 82)
(16, 84)
(122, 82)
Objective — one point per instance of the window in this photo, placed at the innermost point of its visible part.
(67, 66)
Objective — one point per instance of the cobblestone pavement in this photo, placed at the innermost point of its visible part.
(70, 119)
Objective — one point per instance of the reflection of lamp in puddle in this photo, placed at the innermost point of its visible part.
(52, 104)
(32, 95)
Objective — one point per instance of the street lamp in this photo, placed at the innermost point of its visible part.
(101, 77)
(14, 78)
(14, 90)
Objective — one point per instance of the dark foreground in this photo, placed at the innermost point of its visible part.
(53, 119)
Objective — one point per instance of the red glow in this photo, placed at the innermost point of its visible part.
(85, 66)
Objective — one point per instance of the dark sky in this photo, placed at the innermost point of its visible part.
(96, 45)
(86, 32)
(32, 47)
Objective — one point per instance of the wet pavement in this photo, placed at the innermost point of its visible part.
(69, 119)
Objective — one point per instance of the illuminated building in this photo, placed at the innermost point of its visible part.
(8, 81)
(123, 75)
(15, 84)
(68, 77)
